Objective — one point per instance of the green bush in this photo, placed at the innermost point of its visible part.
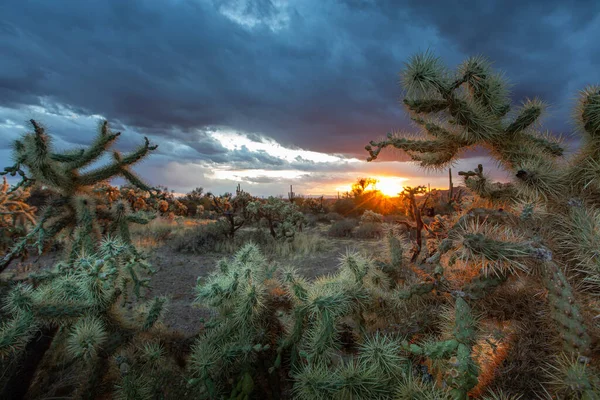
(342, 228)
(311, 220)
(369, 230)
(204, 238)
(371, 217)
(333, 216)
(345, 207)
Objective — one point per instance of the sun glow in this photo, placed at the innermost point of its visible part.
(389, 185)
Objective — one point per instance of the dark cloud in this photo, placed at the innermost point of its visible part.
(320, 75)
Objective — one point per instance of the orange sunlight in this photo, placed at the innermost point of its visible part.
(388, 185)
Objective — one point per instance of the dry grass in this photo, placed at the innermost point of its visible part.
(303, 244)
(159, 230)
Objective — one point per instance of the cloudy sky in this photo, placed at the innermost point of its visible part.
(270, 93)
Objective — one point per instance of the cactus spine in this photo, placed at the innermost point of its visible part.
(74, 209)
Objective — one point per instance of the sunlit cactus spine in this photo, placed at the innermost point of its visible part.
(74, 208)
(15, 214)
(470, 107)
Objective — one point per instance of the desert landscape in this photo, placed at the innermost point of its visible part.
(457, 258)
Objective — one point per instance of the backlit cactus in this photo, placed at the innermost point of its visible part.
(74, 209)
(283, 218)
(470, 107)
(15, 214)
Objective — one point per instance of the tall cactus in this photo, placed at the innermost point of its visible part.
(470, 107)
(85, 294)
(74, 208)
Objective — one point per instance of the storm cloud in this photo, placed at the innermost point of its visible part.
(313, 75)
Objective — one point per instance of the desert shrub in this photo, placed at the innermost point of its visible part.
(342, 228)
(344, 207)
(232, 210)
(204, 238)
(311, 220)
(323, 219)
(259, 237)
(370, 216)
(391, 218)
(329, 217)
(304, 243)
(16, 215)
(312, 206)
(333, 216)
(282, 218)
(369, 230)
(153, 233)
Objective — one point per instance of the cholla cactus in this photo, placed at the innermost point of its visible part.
(283, 218)
(246, 327)
(370, 216)
(408, 195)
(458, 111)
(15, 214)
(85, 299)
(232, 209)
(314, 205)
(294, 326)
(74, 209)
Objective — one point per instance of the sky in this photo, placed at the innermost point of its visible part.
(272, 93)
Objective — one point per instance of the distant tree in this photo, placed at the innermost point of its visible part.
(361, 185)
(195, 195)
(283, 218)
(196, 200)
(233, 209)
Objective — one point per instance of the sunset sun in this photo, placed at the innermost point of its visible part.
(390, 186)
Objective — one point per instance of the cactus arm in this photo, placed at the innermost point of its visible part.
(38, 154)
(565, 310)
(528, 115)
(427, 106)
(138, 154)
(118, 167)
(423, 146)
(103, 141)
(15, 333)
(548, 146)
(136, 181)
(479, 184)
(67, 157)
